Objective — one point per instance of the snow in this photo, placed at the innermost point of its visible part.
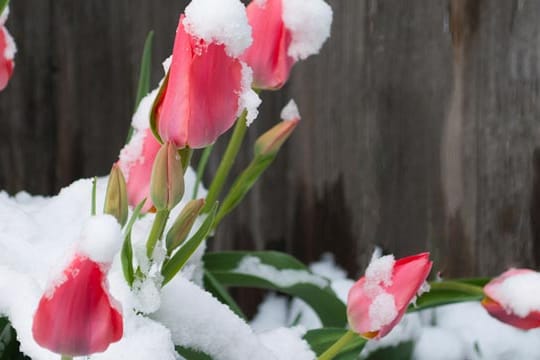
(309, 22)
(380, 269)
(141, 118)
(101, 238)
(290, 111)
(11, 48)
(519, 293)
(248, 98)
(284, 342)
(251, 265)
(219, 21)
(382, 311)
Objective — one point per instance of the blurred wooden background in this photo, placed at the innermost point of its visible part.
(420, 125)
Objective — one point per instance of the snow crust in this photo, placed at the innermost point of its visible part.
(11, 48)
(309, 22)
(252, 265)
(221, 22)
(290, 111)
(519, 294)
(101, 238)
(248, 99)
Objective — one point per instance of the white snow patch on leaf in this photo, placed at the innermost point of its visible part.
(284, 342)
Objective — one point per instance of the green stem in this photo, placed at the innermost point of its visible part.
(200, 169)
(333, 350)
(457, 286)
(94, 185)
(226, 162)
(157, 230)
(65, 357)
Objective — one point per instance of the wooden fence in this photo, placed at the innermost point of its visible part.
(420, 125)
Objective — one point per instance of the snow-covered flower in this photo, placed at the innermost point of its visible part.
(207, 85)
(514, 298)
(284, 31)
(7, 51)
(76, 315)
(377, 301)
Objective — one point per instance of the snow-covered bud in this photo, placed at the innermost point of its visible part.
(271, 141)
(116, 199)
(183, 224)
(167, 184)
(377, 301)
(514, 298)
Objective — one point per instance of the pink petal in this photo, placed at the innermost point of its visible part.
(6, 65)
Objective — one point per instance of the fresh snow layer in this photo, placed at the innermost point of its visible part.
(101, 238)
(380, 270)
(219, 21)
(290, 111)
(309, 22)
(248, 99)
(382, 311)
(11, 48)
(519, 294)
(251, 265)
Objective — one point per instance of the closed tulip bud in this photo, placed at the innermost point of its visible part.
(514, 298)
(7, 51)
(183, 224)
(284, 31)
(116, 199)
(167, 184)
(377, 301)
(271, 141)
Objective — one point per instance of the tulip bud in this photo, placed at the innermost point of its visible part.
(271, 141)
(181, 227)
(116, 200)
(377, 302)
(510, 298)
(167, 184)
(7, 50)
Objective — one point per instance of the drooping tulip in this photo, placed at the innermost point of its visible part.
(284, 31)
(377, 301)
(7, 52)
(76, 316)
(514, 298)
(207, 85)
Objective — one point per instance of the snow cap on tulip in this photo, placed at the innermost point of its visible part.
(377, 302)
(76, 316)
(284, 31)
(207, 85)
(514, 298)
(7, 51)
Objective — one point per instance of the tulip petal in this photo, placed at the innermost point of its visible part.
(7, 49)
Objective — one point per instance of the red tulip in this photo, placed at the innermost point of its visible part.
(136, 162)
(78, 317)
(284, 31)
(7, 53)
(377, 301)
(513, 298)
(202, 95)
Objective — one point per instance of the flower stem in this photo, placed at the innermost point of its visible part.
(333, 350)
(226, 162)
(200, 169)
(94, 185)
(65, 357)
(157, 230)
(457, 286)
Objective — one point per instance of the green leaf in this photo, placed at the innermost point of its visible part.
(321, 339)
(191, 354)
(9, 346)
(444, 296)
(244, 183)
(127, 251)
(323, 300)
(216, 289)
(146, 68)
(172, 266)
(203, 161)
(3, 5)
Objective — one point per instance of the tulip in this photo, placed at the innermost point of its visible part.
(377, 302)
(203, 93)
(513, 298)
(7, 52)
(76, 316)
(284, 31)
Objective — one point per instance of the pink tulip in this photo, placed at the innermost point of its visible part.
(136, 162)
(284, 31)
(513, 298)
(377, 301)
(201, 97)
(78, 318)
(7, 53)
